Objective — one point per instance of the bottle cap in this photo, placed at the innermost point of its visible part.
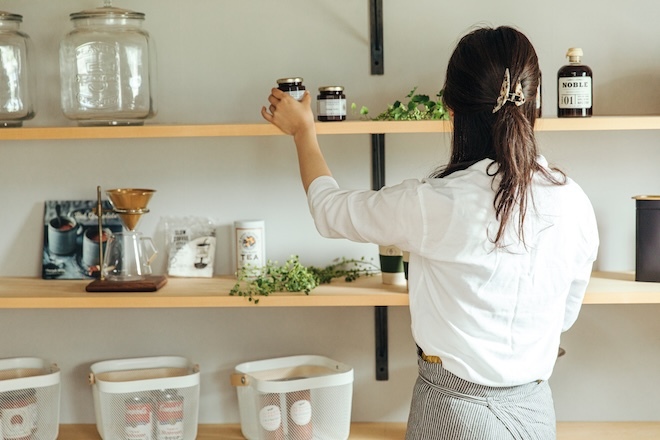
(574, 52)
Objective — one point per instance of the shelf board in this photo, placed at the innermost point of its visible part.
(396, 431)
(185, 293)
(620, 288)
(359, 431)
(147, 131)
(32, 293)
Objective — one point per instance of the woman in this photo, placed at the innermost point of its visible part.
(501, 246)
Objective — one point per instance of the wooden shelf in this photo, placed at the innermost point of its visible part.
(595, 123)
(396, 431)
(359, 431)
(620, 288)
(31, 293)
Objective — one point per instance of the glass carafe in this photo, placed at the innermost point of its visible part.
(108, 68)
(17, 86)
(128, 256)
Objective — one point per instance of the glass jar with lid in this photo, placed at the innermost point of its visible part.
(108, 68)
(17, 85)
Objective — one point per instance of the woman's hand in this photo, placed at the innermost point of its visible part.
(296, 118)
(289, 115)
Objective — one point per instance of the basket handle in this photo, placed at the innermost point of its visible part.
(91, 378)
(239, 380)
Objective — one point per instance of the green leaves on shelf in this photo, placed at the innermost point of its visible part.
(294, 277)
(418, 107)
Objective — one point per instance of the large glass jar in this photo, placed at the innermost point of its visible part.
(17, 86)
(108, 68)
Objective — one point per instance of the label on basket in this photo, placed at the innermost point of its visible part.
(270, 417)
(169, 416)
(139, 420)
(34, 415)
(169, 431)
(301, 412)
(16, 423)
(138, 432)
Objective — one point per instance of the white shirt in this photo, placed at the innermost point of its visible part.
(493, 315)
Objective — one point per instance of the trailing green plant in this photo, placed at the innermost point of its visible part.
(348, 269)
(418, 107)
(254, 282)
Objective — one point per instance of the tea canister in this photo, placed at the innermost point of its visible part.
(250, 240)
(17, 85)
(108, 68)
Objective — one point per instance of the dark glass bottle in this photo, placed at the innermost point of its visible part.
(574, 87)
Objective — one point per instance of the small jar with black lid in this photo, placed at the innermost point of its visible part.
(293, 86)
(331, 104)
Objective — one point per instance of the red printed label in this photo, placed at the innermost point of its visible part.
(168, 411)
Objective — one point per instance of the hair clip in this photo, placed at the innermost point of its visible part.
(517, 97)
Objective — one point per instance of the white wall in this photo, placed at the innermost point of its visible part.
(217, 63)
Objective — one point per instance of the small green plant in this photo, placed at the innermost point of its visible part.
(418, 107)
(294, 277)
(348, 269)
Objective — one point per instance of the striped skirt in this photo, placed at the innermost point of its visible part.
(445, 407)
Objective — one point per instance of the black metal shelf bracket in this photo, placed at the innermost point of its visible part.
(380, 312)
(376, 26)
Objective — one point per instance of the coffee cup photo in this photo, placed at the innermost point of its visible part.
(62, 235)
(71, 240)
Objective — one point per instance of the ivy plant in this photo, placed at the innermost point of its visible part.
(418, 107)
(292, 276)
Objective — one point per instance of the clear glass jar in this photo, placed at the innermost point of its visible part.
(17, 85)
(108, 68)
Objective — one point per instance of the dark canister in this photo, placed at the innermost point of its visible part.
(647, 263)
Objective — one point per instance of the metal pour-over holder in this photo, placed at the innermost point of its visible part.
(130, 204)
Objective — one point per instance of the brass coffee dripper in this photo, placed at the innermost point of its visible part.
(130, 204)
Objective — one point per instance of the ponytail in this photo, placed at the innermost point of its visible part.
(515, 153)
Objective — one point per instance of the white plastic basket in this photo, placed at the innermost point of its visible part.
(29, 399)
(294, 398)
(151, 398)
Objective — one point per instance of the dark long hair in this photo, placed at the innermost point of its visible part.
(474, 79)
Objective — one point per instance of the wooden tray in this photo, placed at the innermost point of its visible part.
(150, 284)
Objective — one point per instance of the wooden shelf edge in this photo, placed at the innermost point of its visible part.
(596, 123)
(396, 431)
(620, 288)
(32, 293)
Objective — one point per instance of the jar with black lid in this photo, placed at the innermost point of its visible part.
(331, 104)
(293, 86)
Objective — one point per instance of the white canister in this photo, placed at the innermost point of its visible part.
(250, 240)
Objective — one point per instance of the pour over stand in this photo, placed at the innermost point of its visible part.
(150, 283)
